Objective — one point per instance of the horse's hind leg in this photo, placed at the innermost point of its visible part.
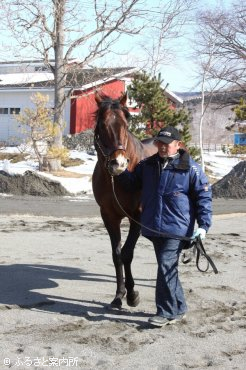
(113, 227)
(132, 296)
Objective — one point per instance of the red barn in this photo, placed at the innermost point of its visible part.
(83, 104)
(20, 80)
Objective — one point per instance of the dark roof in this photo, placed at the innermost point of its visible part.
(77, 78)
(88, 76)
(228, 97)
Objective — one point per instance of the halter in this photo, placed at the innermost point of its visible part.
(107, 152)
(103, 150)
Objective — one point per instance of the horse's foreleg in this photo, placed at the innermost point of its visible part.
(121, 290)
(113, 228)
(127, 251)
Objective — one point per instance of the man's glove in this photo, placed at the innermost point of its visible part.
(199, 232)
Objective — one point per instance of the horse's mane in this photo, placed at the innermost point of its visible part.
(148, 140)
(109, 103)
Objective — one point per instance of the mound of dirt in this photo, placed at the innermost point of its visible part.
(233, 185)
(30, 183)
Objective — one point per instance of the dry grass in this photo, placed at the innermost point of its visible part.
(13, 157)
(70, 162)
(69, 174)
(18, 157)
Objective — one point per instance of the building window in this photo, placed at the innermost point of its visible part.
(3, 110)
(41, 69)
(14, 110)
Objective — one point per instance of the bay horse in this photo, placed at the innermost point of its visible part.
(117, 149)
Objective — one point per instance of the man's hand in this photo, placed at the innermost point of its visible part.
(199, 232)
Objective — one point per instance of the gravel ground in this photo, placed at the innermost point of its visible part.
(87, 207)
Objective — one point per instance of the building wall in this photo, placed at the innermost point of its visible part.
(83, 105)
(10, 130)
(81, 109)
(215, 120)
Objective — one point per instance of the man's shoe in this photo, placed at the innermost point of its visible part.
(180, 317)
(160, 321)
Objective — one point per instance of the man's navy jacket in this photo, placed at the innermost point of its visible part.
(172, 198)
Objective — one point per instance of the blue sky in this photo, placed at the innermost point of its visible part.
(180, 73)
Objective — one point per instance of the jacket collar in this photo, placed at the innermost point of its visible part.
(180, 163)
(183, 162)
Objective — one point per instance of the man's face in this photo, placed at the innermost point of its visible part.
(166, 150)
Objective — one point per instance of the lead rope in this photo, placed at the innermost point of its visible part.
(197, 244)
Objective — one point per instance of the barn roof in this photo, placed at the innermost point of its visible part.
(76, 78)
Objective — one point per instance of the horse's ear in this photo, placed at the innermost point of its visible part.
(98, 98)
(182, 146)
(123, 100)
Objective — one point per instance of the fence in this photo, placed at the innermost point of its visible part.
(212, 147)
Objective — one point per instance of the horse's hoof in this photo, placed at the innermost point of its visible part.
(133, 299)
(116, 303)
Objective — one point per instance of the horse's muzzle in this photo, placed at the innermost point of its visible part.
(118, 165)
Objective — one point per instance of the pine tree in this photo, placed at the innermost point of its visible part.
(186, 136)
(155, 110)
(240, 112)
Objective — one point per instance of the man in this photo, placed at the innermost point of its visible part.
(175, 193)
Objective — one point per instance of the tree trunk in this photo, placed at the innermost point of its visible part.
(201, 123)
(60, 82)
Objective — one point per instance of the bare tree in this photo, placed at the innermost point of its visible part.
(162, 34)
(220, 54)
(228, 30)
(54, 29)
(205, 54)
(206, 65)
(64, 29)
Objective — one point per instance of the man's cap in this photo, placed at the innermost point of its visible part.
(168, 134)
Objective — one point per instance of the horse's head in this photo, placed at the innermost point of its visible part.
(111, 134)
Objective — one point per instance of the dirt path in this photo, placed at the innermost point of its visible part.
(57, 279)
(85, 206)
